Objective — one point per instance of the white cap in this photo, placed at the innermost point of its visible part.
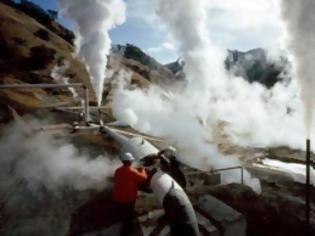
(170, 148)
(127, 157)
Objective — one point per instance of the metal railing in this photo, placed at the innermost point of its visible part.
(231, 168)
(57, 86)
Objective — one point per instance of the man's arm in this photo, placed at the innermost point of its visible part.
(140, 175)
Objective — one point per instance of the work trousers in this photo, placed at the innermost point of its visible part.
(125, 213)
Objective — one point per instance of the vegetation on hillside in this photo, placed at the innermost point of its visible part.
(47, 18)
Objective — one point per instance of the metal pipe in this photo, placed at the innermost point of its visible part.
(22, 86)
(308, 186)
(58, 86)
(232, 168)
(86, 105)
(91, 108)
(173, 198)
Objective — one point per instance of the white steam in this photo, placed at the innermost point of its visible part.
(300, 20)
(57, 73)
(249, 114)
(296, 171)
(43, 160)
(185, 118)
(94, 18)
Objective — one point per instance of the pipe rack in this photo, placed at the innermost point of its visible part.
(57, 86)
(232, 168)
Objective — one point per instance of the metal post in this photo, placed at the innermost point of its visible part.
(242, 175)
(86, 105)
(100, 117)
(308, 186)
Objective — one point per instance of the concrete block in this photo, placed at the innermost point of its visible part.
(229, 221)
(206, 227)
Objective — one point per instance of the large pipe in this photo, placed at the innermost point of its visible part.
(138, 146)
(179, 211)
(178, 208)
(308, 186)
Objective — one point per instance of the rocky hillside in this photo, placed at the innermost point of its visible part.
(253, 65)
(31, 49)
(142, 63)
(28, 53)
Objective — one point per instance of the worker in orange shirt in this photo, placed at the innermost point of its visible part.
(126, 185)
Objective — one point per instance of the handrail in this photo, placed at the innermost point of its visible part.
(231, 168)
(21, 86)
(57, 86)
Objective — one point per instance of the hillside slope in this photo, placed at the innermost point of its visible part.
(29, 52)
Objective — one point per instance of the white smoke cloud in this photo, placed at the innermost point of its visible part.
(94, 19)
(166, 46)
(43, 160)
(228, 19)
(231, 27)
(235, 15)
(300, 19)
(182, 117)
(57, 73)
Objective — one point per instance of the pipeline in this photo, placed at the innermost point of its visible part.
(56, 86)
(177, 206)
(179, 211)
(137, 146)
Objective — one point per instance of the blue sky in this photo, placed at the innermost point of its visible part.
(235, 24)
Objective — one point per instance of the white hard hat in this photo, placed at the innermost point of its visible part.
(127, 156)
(170, 148)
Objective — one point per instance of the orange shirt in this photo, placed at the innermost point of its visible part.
(127, 181)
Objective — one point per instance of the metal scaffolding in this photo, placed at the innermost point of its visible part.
(232, 168)
(56, 86)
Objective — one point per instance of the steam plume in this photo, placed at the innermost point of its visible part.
(45, 161)
(57, 73)
(300, 20)
(183, 117)
(94, 19)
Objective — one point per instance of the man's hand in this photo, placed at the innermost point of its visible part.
(141, 169)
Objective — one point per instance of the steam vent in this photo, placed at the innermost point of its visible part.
(165, 117)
